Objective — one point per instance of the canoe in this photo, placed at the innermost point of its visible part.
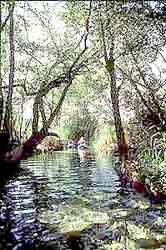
(79, 147)
(82, 147)
(71, 146)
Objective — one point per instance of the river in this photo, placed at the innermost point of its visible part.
(59, 201)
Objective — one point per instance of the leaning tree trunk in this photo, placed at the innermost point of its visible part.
(8, 111)
(35, 121)
(59, 104)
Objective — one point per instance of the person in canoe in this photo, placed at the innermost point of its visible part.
(72, 144)
(82, 144)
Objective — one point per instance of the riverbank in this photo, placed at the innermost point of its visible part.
(142, 181)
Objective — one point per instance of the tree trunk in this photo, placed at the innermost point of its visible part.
(122, 145)
(1, 102)
(59, 105)
(43, 115)
(1, 93)
(35, 121)
(8, 111)
(110, 66)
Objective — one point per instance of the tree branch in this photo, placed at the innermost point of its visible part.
(144, 80)
(136, 88)
(103, 35)
(85, 40)
(7, 18)
(30, 54)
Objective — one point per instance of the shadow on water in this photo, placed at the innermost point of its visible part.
(67, 201)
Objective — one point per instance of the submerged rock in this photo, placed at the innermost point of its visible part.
(73, 219)
(148, 243)
(49, 144)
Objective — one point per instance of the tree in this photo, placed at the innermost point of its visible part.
(57, 72)
(8, 112)
(114, 91)
(130, 44)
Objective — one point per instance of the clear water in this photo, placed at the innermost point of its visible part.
(61, 202)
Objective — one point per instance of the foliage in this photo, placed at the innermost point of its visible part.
(75, 13)
(153, 168)
(63, 132)
(44, 58)
(104, 139)
(81, 124)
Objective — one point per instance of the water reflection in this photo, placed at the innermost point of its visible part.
(62, 192)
